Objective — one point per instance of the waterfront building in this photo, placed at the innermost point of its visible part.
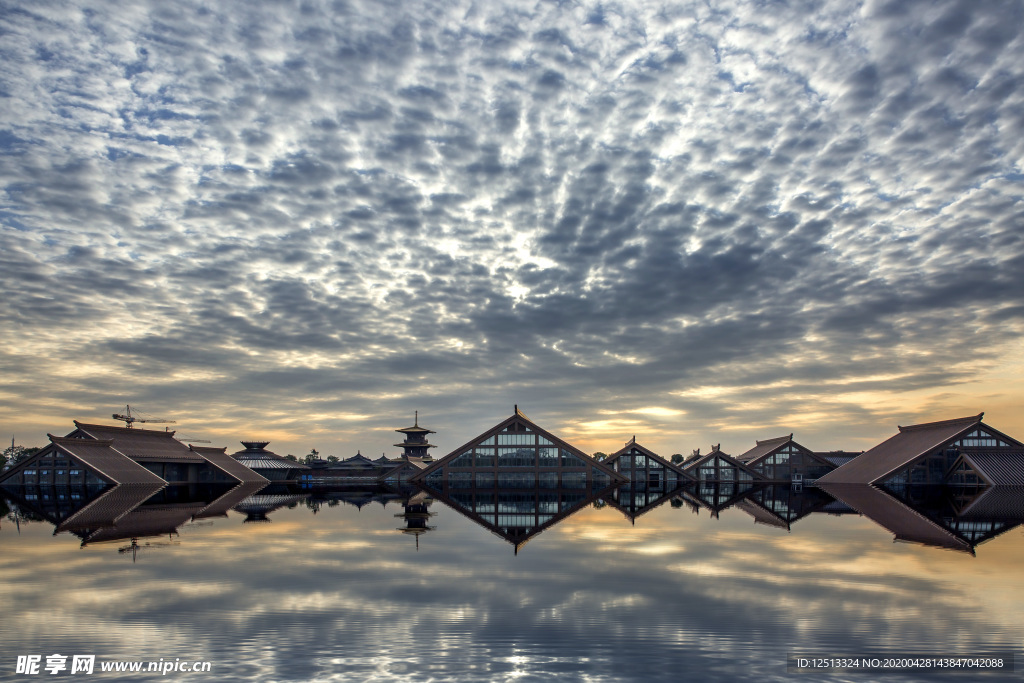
(720, 466)
(516, 451)
(784, 460)
(639, 464)
(76, 461)
(962, 452)
(517, 479)
(119, 455)
(652, 479)
(267, 464)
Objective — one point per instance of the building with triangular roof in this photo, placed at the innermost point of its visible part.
(639, 464)
(653, 480)
(784, 460)
(517, 479)
(719, 466)
(961, 452)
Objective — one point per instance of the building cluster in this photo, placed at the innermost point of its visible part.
(518, 479)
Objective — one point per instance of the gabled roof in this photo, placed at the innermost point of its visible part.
(139, 444)
(105, 460)
(900, 450)
(518, 417)
(763, 449)
(219, 458)
(998, 468)
(631, 444)
(692, 465)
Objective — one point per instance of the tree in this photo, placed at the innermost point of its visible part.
(677, 458)
(600, 456)
(15, 454)
(333, 458)
(291, 457)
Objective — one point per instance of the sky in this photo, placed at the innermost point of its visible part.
(694, 223)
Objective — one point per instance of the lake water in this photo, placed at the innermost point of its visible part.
(324, 589)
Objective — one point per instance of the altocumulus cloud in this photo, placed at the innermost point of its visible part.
(311, 217)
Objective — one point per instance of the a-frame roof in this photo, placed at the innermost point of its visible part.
(902, 449)
(105, 460)
(518, 418)
(219, 458)
(632, 443)
(139, 444)
(694, 464)
(763, 449)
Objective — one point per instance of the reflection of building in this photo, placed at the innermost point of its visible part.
(931, 517)
(517, 479)
(267, 464)
(782, 504)
(961, 452)
(782, 459)
(416, 516)
(652, 479)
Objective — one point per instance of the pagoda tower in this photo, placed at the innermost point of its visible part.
(415, 444)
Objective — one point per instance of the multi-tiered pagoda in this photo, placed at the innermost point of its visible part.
(415, 445)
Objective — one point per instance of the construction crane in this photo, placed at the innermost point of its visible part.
(130, 419)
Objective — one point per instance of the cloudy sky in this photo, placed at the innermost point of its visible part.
(693, 222)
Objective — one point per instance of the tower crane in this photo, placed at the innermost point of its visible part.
(130, 419)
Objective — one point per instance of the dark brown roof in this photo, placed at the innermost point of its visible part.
(837, 458)
(692, 465)
(520, 417)
(108, 462)
(140, 444)
(904, 522)
(892, 454)
(219, 458)
(1000, 468)
(763, 448)
(650, 454)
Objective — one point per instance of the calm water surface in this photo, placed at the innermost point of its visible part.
(343, 594)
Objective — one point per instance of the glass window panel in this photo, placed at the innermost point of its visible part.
(570, 460)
